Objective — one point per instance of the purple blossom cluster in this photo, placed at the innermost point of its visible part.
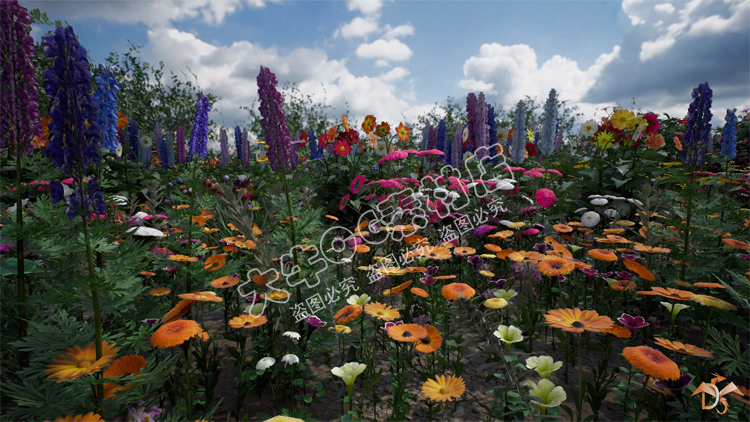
(199, 138)
(180, 145)
(698, 128)
(280, 151)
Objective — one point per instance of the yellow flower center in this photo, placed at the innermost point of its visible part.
(443, 391)
(84, 364)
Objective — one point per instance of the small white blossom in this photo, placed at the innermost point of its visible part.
(265, 363)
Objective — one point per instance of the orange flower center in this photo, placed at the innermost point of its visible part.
(84, 364)
(443, 390)
(577, 324)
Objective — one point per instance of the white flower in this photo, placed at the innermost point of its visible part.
(502, 134)
(531, 201)
(599, 201)
(13, 209)
(544, 365)
(265, 363)
(417, 195)
(471, 185)
(349, 372)
(67, 191)
(590, 219)
(440, 190)
(595, 196)
(611, 213)
(468, 155)
(506, 222)
(137, 217)
(119, 200)
(581, 210)
(290, 358)
(588, 128)
(292, 335)
(381, 149)
(358, 300)
(146, 231)
(146, 142)
(118, 151)
(505, 185)
(635, 201)
(465, 133)
(508, 334)
(453, 195)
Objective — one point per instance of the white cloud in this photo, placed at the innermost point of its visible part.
(399, 31)
(395, 74)
(632, 8)
(151, 13)
(392, 49)
(665, 8)
(358, 27)
(368, 7)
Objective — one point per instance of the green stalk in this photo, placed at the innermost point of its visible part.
(580, 380)
(96, 305)
(298, 292)
(643, 389)
(687, 228)
(22, 331)
(705, 330)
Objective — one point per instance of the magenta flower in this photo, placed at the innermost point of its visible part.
(395, 155)
(357, 183)
(390, 324)
(344, 201)
(545, 198)
(555, 172)
(533, 173)
(484, 229)
(370, 196)
(632, 323)
(530, 232)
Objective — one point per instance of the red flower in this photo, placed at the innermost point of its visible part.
(382, 130)
(342, 148)
(369, 124)
(653, 123)
(531, 149)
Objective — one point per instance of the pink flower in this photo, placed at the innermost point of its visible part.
(359, 180)
(370, 196)
(545, 198)
(395, 155)
(162, 251)
(170, 270)
(533, 173)
(555, 172)
(344, 201)
(530, 232)
(430, 151)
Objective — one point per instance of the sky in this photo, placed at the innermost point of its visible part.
(396, 59)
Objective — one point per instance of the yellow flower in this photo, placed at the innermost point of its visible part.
(604, 139)
(623, 119)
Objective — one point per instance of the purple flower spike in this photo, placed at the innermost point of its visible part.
(632, 323)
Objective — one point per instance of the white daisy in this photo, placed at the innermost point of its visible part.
(468, 155)
(118, 151)
(599, 201)
(590, 219)
(381, 149)
(502, 134)
(265, 363)
(588, 128)
(292, 335)
(290, 359)
(611, 213)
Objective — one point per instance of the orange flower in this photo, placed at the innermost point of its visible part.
(419, 292)
(214, 262)
(415, 269)
(443, 388)
(503, 234)
(736, 244)
(76, 362)
(455, 290)
(88, 417)
(247, 321)
(381, 311)
(369, 124)
(562, 228)
(623, 285)
(407, 333)
(669, 293)
(602, 255)
(429, 343)
(225, 282)
(618, 331)
(391, 271)
(523, 256)
(504, 254)
(639, 269)
(430, 252)
(260, 281)
(493, 248)
(555, 266)
(175, 333)
(416, 239)
(686, 349)
(347, 313)
(146, 273)
(201, 297)
(650, 249)
(464, 251)
(179, 310)
(714, 302)
(160, 291)
(403, 132)
(362, 248)
(652, 362)
(126, 365)
(709, 285)
(182, 258)
(577, 321)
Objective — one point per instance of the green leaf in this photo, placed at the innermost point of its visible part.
(619, 182)
(10, 267)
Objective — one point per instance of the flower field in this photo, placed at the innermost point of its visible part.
(470, 267)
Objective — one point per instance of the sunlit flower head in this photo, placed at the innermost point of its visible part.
(548, 394)
(508, 334)
(543, 365)
(652, 362)
(577, 321)
(290, 359)
(76, 362)
(265, 363)
(349, 372)
(443, 388)
(358, 299)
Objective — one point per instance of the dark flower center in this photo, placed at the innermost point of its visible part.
(425, 340)
(406, 334)
(577, 324)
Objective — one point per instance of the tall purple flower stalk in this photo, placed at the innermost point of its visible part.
(245, 148)
(442, 133)
(519, 134)
(280, 151)
(471, 119)
(134, 141)
(162, 147)
(104, 97)
(315, 153)
(456, 147)
(481, 128)
(698, 129)
(180, 145)
(199, 138)
(547, 138)
(729, 138)
(19, 98)
(224, 143)
(492, 123)
(238, 142)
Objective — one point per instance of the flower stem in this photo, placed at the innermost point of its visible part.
(96, 305)
(24, 356)
(640, 396)
(580, 380)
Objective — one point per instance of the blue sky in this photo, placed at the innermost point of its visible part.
(395, 59)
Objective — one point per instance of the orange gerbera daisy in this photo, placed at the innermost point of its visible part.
(146, 273)
(668, 292)
(214, 262)
(505, 234)
(455, 290)
(361, 248)
(401, 287)
(504, 254)
(247, 321)
(415, 269)
(175, 333)
(652, 362)
(76, 362)
(555, 266)
(225, 282)
(623, 285)
(736, 244)
(182, 258)
(160, 291)
(419, 292)
(202, 297)
(682, 283)
(347, 313)
(88, 417)
(197, 219)
(381, 311)
(602, 255)
(562, 228)
(430, 252)
(709, 285)
(650, 249)
(618, 331)
(407, 333)
(179, 311)
(390, 271)
(126, 365)
(416, 239)
(430, 342)
(687, 349)
(714, 302)
(443, 388)
(462, 251)
(639, 269)
(577, 321)
(523, 256)
(493, 247)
